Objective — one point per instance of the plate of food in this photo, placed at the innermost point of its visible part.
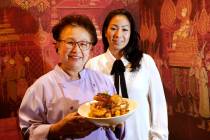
(106, 110)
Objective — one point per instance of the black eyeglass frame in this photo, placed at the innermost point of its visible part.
(83, 45)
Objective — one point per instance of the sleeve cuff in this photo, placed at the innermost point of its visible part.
(39, 132)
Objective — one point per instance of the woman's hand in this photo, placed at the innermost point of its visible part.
(73, 125)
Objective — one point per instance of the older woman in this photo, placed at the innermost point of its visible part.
(48, 108)
(135, 76)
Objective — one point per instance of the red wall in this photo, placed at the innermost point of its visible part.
(26, 46)
(27, 52)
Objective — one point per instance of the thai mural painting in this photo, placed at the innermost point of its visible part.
(174, 32)
(186, 56)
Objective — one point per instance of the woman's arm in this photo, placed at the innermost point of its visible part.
(32, 115)
(72, 126)
(159, 117)
(33, 118)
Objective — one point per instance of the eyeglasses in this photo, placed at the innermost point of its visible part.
(83, 45)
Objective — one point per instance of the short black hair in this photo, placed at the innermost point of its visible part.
(75, 20)
(132, 51)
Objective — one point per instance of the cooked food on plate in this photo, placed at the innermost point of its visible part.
(108, 106)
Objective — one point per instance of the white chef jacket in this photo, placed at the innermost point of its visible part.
(54, 95)
(150, 121)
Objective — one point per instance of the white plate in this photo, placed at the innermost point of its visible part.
(84, 110)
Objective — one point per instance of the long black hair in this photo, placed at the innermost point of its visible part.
(132, 51)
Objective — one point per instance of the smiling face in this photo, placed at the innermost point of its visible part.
(118, 32)
(73, 58)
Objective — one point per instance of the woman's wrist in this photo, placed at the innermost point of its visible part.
(53, 133)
